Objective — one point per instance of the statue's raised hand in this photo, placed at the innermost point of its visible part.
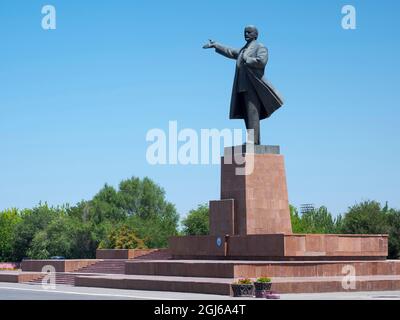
(210, 44)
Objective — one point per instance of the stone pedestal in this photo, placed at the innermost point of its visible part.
(252, 219)
(222, 217)
(282, 247)
(259, 195)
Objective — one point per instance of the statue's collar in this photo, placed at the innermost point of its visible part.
(249, 44)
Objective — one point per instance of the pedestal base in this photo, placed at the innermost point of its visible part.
(281, 247)
(252, 203)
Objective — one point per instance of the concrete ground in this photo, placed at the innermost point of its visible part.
(16, 291)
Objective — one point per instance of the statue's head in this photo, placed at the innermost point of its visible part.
(250, 33)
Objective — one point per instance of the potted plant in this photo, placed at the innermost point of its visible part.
(262, 287)
(243, 288)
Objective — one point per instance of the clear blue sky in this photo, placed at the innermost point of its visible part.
(76, 103)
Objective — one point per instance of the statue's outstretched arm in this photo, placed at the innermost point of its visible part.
(219, 48)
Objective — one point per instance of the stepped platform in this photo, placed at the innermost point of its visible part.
(253, 269)
(222, 286)
(216, 276)
(64, 278)
(129, 254)
(59, 265)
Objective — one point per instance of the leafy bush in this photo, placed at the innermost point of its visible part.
(122, 238)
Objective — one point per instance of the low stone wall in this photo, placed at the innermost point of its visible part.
(254, 269)
(8, 277)
(175, 285)
(59, 265)
(126, 254)
(282, 247)
(18, 277)
(334, 245)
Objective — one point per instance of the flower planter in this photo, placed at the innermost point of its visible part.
(262, 289)
(243, 290)
(263, 286)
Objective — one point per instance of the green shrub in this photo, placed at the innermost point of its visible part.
(263, 280)
(122, 237)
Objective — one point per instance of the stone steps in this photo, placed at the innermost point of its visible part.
(216, 276)
(61, 278)
(105, 266)
(161, 254)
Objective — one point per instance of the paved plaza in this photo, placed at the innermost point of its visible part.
(16, 291)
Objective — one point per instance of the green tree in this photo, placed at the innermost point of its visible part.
(153, 218)
(365, 218)
(295, 220)
(33, 221)
(63, 236)
(197, 221)
(157, 230)
(393, 222)
(318, 220)
(105, 205)
(141, 204)
(9, 220)
(143, 198)
(122, 237)
(369, 217)
(76, 232)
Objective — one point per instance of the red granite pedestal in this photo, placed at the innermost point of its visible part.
(253, 203)
(252, 219)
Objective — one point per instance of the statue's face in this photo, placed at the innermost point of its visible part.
(250, 33)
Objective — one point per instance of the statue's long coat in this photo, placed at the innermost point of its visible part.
(256, 58)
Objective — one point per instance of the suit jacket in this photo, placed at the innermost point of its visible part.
(250, 67)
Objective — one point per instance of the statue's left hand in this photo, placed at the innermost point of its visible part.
(210, 44)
